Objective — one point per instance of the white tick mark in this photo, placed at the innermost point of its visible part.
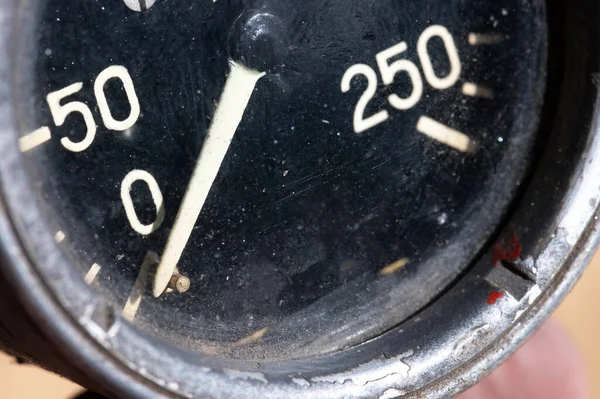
(59, 237)
(473, 90)
(394, 267)
(480, 39)
(91, 275)
(134, 300)
(445, 135)
(34, 139)
(251, 338)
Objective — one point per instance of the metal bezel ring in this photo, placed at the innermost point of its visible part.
(447, 347)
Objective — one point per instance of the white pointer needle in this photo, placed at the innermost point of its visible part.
(232, 105)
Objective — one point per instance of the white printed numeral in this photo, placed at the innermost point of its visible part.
(455, 66)
(136, 224)
(116, 72)
(360, 122)
(389, 71)
(60, 113)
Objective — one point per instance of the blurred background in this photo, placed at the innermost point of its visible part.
(579, 314)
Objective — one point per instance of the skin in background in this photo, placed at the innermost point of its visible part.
(548, 366)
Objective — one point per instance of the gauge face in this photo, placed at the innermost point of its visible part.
(274, 179)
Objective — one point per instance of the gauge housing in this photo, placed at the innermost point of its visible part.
(49, 315)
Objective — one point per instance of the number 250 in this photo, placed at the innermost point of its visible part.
(388, 73)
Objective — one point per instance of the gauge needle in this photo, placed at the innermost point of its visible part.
(232, 105)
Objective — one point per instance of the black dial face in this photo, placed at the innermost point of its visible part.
(273, 178)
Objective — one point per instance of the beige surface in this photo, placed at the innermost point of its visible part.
(29, 382)
(579, 313)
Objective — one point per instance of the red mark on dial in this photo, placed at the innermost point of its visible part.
(494, 296)
(510, 253)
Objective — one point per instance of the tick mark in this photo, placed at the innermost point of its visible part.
(134, 300)
(394, 267)
(59, 237)
(445, 135)
(251, 338)
(481, 39)
(91, 275)
(34, 139)
(473, 90)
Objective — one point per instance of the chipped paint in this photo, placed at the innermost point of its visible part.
(372, 371)
(533, 294)
(469, 344)
(301, 381)
(529, 264)
(245, 375)
(518, 315)
(530, 297)
(392, 394)
(96, 331)
(578, 211)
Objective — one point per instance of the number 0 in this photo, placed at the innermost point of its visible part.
(455, 66)
(121, 73)
(136, 224)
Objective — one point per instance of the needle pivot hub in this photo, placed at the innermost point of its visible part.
(258, 40)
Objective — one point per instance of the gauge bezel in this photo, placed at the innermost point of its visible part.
(559, 231)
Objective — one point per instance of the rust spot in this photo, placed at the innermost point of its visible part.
(494, 296)
(511, 252)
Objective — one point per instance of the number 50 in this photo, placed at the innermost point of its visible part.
(60, 112)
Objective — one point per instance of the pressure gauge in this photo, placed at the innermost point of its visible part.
(282, 199)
